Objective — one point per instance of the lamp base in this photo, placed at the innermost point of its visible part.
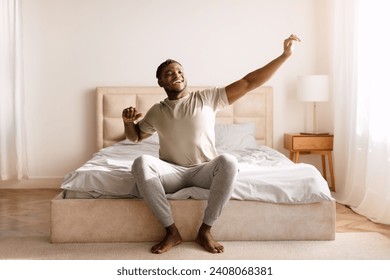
(314, 133)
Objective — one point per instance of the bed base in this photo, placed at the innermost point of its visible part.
(130, 220)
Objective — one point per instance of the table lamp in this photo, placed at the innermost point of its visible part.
(313, 88)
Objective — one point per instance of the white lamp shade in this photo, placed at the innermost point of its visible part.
(313, 88)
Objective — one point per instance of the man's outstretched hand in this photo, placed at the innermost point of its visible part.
(289, 44)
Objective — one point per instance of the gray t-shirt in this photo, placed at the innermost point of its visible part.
(186, 126)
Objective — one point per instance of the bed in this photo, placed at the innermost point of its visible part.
(274, 199)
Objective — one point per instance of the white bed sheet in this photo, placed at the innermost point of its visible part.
(264, 175)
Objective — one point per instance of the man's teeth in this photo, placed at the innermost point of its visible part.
(177, 82)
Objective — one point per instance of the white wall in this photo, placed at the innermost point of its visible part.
(73, 46)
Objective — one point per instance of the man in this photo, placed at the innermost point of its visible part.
(185, 122)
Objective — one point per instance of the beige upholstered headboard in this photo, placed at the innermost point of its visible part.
(255, 106)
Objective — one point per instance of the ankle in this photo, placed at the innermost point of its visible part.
(204, 229)
(172, 230)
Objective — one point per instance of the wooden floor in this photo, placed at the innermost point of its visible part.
(25, 212)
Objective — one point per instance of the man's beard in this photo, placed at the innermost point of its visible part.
(176, 91)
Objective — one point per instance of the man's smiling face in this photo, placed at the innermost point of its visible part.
(173, 79)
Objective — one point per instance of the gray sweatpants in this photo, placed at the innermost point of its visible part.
(155, 178)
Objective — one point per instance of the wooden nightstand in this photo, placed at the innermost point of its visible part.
(299, 144)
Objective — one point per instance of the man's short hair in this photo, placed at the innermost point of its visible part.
(162, 66)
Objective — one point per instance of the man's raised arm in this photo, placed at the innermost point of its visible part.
(258, 77)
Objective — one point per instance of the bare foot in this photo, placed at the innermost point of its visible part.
(171, 239)
(206, 240)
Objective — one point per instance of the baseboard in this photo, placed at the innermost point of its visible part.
(33, 183)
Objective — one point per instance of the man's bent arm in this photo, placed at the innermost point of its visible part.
(258, 77)
(132, 130)
(134, 133)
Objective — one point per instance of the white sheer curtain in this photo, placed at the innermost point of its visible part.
(13, 158)
(362, 108)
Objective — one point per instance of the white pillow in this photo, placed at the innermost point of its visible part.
(235, 136)
(153, 139)
(227, 136)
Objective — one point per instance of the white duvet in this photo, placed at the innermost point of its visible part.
(264, 175)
